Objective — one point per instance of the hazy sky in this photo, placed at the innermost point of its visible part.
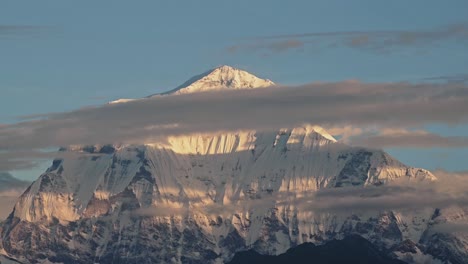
(63, 55)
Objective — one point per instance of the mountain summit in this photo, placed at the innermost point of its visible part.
(223, 77)
(219, 78)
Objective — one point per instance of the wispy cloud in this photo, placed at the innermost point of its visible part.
(163, 210)
(456, 78)
(346, 132)
(273, 46)
(383, 198)
(20, 30)
(404, 138)
(28, 159)
(449, 191)
(338, 104)
(7, 202)
(380, 41)
(10, 189)
(450, 227)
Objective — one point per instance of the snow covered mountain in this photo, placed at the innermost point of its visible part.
(201, 198)
(223, 77)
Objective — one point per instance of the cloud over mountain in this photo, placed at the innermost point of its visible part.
(338, 104)
(10, 189)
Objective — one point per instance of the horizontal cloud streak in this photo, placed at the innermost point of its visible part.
(10, 189)
(457, 78)
(449, 191)
(402, 138)
(19, 30)
(336, 104)
(7, 202)
(21, 160)
(376, 41)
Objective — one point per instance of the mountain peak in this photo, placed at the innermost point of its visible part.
(225, 68)
(219, 78)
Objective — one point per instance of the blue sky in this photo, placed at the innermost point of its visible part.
(67, 54)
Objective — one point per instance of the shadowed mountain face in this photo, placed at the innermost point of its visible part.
(352, 249)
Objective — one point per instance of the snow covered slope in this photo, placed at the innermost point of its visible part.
(200, 198)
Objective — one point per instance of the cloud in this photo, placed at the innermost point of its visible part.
(337, 104)
(450, 227)
(19, 30)
(7, 202)
(377, 199)
(18, 164)
(401, 195)
(403, 138)
(10, 189)
(21, 160)
(276, 46)
(451, 181)
(28, 159)
(447, 191)
(398, 196)
(376, 41)
(457, 78)
(345, 133)
(9, 183)
(162, 210)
